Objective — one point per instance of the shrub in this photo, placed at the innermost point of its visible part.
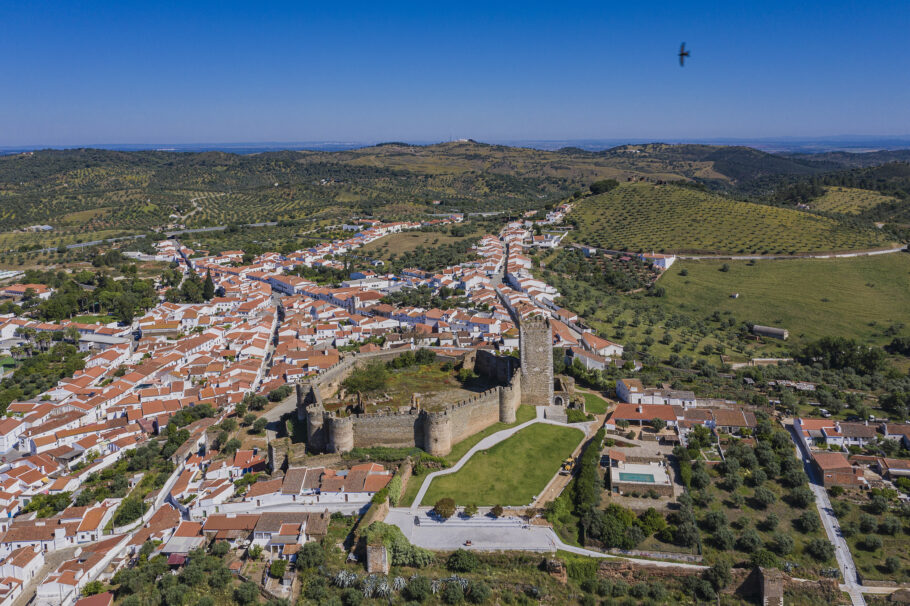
(247, 593)
(418, 589)
(723, 539)
(444, 508)
(351, 597)
(277, 568)
(807, 522)
(748, 541)
(764, 497)
(479, 592)
(497, 511)
(867, 523)
(452, 593)
(462, 560)
(870, 543)
(763, 558)
(470, 510)
(889, 525)
(92, 587)
(892, 564)
(718, 575)
(310, 555)
(801, 497)
(782, 544)
(220, 549)
(820, 549)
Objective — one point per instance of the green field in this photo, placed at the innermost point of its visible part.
(406, 242)
(643, 216)
(595, 404)
(512, 472)
(856, 297)
(849, 200)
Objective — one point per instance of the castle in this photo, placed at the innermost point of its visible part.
(530, 382)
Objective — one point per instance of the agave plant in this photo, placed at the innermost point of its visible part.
(368, 586)
(344, 579)
(399, 583)
(383, 589)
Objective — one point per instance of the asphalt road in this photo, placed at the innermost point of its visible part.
(832, 526)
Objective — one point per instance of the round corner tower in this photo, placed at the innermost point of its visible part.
(438, 432)
(536, 344)
(341, 434)
(507, 404)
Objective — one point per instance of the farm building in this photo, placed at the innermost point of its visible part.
(771, 332)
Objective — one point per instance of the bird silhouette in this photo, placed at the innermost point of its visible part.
(683, 53)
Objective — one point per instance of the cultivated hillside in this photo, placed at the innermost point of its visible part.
(645, 216)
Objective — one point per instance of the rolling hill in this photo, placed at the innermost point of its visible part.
(87, 191)
(645, 216)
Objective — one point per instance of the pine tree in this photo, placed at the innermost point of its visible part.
(208, 288)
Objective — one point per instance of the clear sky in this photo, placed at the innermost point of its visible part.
(192, 72)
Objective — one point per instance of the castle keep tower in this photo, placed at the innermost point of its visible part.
(536, 343)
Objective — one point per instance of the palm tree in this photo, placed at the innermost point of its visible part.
(43, 339)
(71, 333)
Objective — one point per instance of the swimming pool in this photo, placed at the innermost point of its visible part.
(644, 478)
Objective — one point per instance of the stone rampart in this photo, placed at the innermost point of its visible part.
(435, 432)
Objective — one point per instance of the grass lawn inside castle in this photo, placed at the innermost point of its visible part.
(436, 385)
(512, 472)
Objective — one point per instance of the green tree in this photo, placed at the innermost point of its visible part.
(92, 588)
(208, 287)
(247, 593)
(444, 508)
(277, 568)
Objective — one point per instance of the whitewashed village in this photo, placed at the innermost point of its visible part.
(144, 451)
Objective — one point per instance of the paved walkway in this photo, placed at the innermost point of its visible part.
(832, 528)
(495, 534)
(487, 442)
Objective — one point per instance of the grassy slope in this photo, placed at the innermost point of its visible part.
(810, 297)
(663, 217)
(406, 242)
(523, 414)
(511, 472)
(849, 200)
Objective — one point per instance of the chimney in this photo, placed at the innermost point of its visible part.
(640, 409)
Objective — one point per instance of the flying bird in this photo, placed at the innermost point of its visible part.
(683, 53)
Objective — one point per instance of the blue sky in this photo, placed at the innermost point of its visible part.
(191, 72)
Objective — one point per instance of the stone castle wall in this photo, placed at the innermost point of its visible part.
(435, 432)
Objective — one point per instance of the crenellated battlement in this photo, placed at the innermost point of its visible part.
(434, 431)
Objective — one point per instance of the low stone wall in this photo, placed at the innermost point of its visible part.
(627, 489)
